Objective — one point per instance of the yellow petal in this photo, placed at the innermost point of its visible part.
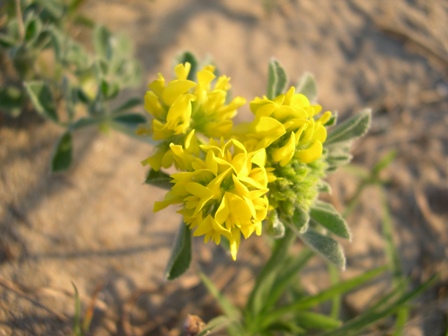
(324, 118)
(234, 242)
(285, 153)
(320, 133)
(182, 70)
(311, 153)
(175, 89)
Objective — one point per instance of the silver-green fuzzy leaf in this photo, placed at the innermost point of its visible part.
(307, 86)
(277, 79)
(327, 247)
(327, 216)
(353, 128)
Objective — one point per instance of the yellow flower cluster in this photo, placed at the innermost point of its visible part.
(223, 191)
(222, 186)
(183, 105)
(286, 125)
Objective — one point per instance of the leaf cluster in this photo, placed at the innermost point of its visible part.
(79, 88)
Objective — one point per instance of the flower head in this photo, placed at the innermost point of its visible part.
(286, 126)
(182, 106)
(222, 193)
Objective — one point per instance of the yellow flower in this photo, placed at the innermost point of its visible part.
(287, 125)
(182, 106)
(222, 193)
(211, 115)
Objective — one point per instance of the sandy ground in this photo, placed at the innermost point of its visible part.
(94, 226)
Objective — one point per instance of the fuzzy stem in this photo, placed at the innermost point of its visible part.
(20, 21)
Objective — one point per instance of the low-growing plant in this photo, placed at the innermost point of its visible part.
(264, 175)
(75, 88)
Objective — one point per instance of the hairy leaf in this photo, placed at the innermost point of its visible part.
(180, 254)
(325, 246)
(350, 129)
(326, 215)
(277, 79)
(102, 42)
(307, 86)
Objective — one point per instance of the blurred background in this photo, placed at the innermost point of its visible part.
(94, 226)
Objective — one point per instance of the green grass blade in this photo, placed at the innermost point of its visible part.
(287, 275)
(362, 321)
(310, 320)
(266, 279)
(216, 324)
(325, 295)
(227, 307)
(77, 330)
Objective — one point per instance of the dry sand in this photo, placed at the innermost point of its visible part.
(94, 226)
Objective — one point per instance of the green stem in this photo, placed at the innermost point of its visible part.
(20, 21)
(336, 300)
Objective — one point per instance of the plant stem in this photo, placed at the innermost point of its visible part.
(336, 300)
(20, 21)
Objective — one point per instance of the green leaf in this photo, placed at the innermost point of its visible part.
(267, 277)
(384, 162)
(159, 179)
(180, 255)
(109, 89)
(324, 187)
(58, 42)
(327, 247)
(70, 96)
(299, 221)
(227, 307)
(131, 120)
(84, 122)
(7, 41)
(187, 56)
(288, 327)
(288, 273)
(77, 330)
(307, 86)
(325, 295)
(333, 119)
(62, 157)
(326, 215)
(102, 42)
(83, 97)
(32, 29)
(310, 320)
(277, 79)
(216, 324)
(371, 316)
(338, 155)
(54, 8)
(353, 128)
(128, 105)
(11, 100)
(42, 99)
